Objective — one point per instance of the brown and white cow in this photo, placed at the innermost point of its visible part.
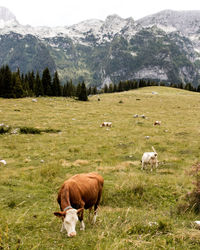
(81, 191)
(106, 124)
(157, 123)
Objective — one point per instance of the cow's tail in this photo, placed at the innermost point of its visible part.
(154, 150)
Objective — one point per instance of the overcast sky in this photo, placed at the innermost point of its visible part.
(68, 12)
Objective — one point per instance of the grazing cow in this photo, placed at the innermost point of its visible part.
(3, 162)
(150, 158)
(157, 123)
(106, 124)
(79, 192)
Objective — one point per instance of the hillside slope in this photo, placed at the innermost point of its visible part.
(139, 209)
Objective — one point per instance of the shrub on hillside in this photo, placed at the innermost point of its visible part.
(4, 128)
(31, 130)
(192, 199)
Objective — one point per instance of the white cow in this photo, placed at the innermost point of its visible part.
(150, 158)
(3, 162)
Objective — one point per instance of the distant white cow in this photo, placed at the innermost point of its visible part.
(106, 124)
(150, 158)
(3, 162)
(157, 123)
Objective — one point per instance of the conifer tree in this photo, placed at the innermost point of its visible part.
(26, 86)
(115, 88)
(7, 83)
(31, 82)
(46, 82)
(105, 88)
(120, 87)
(180, 85)
(70, 89)
(1, 82)
(94, 90)
(83, 93)
(56, 90)
(89, 91)
(110, 88)
(64, 92)
(142, 83)
(189, 87)
(39, 91)
(18, 91)
(78, 90)
(198, 88)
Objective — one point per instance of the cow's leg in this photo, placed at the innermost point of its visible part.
(96, 207)
(82, 225)
(95, 217)
(89, 217)
(62, 228)
(156, 164)
(80, 216)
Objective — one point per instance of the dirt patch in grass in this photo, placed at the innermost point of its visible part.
(78, 163)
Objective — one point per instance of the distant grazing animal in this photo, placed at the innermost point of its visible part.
(106, 124)
(81, 191)
(157, 123)
(150, 158)
(3, 162)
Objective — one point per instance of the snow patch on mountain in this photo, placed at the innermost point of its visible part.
(102, 31)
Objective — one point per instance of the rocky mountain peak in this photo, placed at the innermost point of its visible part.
(6, 14)
(187, 22)
(164, 46)
(7, 18)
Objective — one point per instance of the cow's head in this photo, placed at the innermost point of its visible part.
(154, 156)
(70, 218)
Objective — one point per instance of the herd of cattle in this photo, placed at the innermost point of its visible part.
(83, 191)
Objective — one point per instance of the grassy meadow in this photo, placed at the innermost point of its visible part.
(139, 209)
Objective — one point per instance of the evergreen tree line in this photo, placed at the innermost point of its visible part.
(17, 85)
(134, 84)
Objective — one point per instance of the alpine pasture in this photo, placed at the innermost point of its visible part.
(139, 209)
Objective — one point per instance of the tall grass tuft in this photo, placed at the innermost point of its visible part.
(194, 196)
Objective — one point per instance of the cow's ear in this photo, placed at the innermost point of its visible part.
(60, 214)
(80, 210)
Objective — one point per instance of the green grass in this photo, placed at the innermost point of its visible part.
(73, 142)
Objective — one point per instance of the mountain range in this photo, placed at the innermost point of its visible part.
(162, 47)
